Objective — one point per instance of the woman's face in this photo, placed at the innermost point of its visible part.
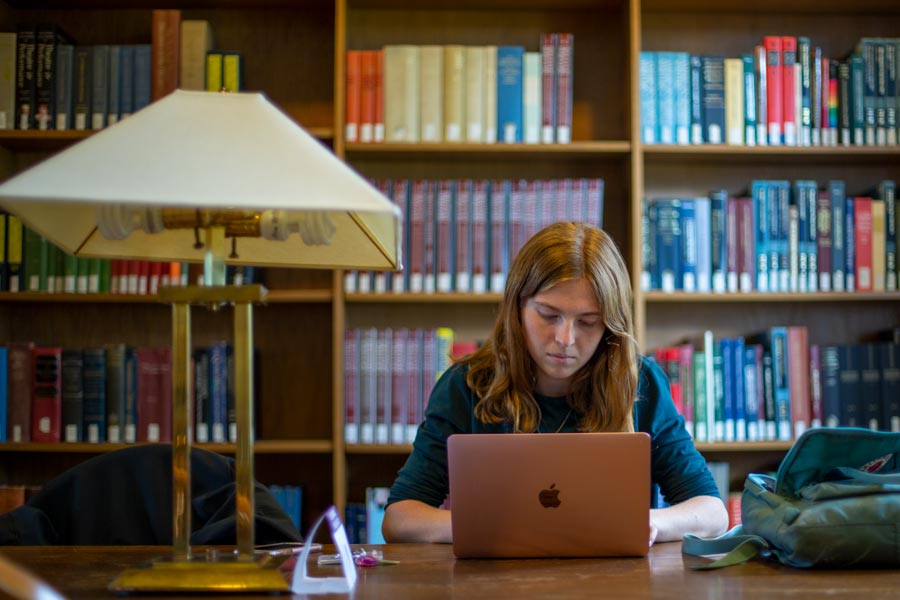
(562, 330)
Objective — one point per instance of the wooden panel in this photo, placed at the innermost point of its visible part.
(734, 33)
(741, 464)
(371, 471)
(599, 103)
(311, 472)
(293, 369)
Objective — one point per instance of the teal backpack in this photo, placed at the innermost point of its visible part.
(834, 503)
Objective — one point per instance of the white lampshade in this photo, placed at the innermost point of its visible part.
(207, 150)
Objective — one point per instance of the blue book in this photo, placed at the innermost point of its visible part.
(887, 191)
(805, 116)
(750, 100)
(890, 386)
(688, 245)
(650, 270)
(783, 193)
(780, 385)
(682, 88)
(728, 387)
(669, 244)
(218, 403)
(100, 86)
(738, 385)
(702, 215)
(696, 81)
(759, 194)
(126, 81)
(131, 392)
(65, 63)
(806, 208)
(509, 93)
(94, 380)
(202, 407)
(718, 392)
(114, 102)
(838, 277)
(857, 100)
(831, 386)
(718, 250)
(649, 104)
(713, 99)
(849, 245)
(665, 96)
(3, 392)
(753, 412)
(142, 72)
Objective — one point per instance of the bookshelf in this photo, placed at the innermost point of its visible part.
(295, 50)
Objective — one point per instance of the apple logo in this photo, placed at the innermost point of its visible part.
(549, 498)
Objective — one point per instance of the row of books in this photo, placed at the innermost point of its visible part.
(461, 235)
(782, 237)
(29, 262)
(456, 93)
(48, 82)
(99, 394)
(388, 377)
(784, 92)
(110, 393)
(363, 520)
(290, 497)
(774, 385)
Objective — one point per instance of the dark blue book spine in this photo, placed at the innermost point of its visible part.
(218, 374)
(94, 395)
(849, 245)
(669, 243)
(719, 248)
(728, 388)
(713, 99)
(141, 76)
(849, 357)
(803, 53)
(887, 191)
(131, 391)
(696, 83)
(740, 400)
(838, 260)
(870, 387)
(126, 81)
(780, 383)
(688, 245)
(831, 386)
(890, 386)
(100, 86)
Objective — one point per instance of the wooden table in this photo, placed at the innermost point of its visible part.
(430, 571)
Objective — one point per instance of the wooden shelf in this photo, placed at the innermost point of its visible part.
(379, 448)
(507, 151)
(273, 297)
(711, 447)
(681, 297)
(445, 298)
(260, 447)
(54, 141)
(487, 4)
(777, 154)
(815, 7)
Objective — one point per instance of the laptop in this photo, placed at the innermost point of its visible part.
(549, 495)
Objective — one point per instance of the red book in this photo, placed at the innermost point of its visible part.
(352, 99)
(165, 50)
(19, 373)
(379, 95)
(443, 212)
(463, 212)
(399, 395)
(564, 76)
(734, 509)
(774, 93)
(548, 87)
(114, 267)
(480, 266)
(798, 379)
(417, 226)
(143, 276)
(788, 87)
(154, 400)
(155, 277)
(367, 96)
(862, 224)
(46, 394)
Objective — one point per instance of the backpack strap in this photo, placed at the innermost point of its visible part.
(737, 546)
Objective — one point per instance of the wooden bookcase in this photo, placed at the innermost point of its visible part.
(294, 51)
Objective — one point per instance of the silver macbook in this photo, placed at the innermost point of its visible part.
(550, 495)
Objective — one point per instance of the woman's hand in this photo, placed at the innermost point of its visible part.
(704, 516)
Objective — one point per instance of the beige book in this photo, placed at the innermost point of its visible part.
(196, 41)
(454, 93)
(490, 94)
(431, 94)
(531, 98)
(401, 93)
(734, 101)
(475, 93)
(878, 242)
(7, 80)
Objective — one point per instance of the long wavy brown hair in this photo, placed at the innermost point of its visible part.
(502, 372)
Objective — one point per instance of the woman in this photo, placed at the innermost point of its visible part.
(561, 358)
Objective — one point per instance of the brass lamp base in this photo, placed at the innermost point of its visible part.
(221, 575)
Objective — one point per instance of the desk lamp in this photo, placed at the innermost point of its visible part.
(176, 182)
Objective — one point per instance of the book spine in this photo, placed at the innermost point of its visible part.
(218, 402)
(26, 63)
(565, 63)
(887, 191)
(857, 100)
(649, 104)
(696, 75)
(788, 75)
(509, 94)
(863, 236)
(431, 97)
(131, 391)
(849, 359)
(166, 47)
(836, 193)
(45, 67)
(718, 239)
(367, 96)
(665, 96)
(8, 81)
(462, 213)
(142, 76)
(713, 99)
(351, 386)
(94, 378)
(115, 393)
(823, 241)
(746, 234)
(845, 136)
(878, 270)
(474, 93)
(19, 403)
(490, 94)
(750, 101)
(549, 42)
(454, 93)
(200, 366)
(870, 387)
(798, 379)
(99, 86)
(889, 358)
(379, 96)
(114, 96)
(531, 100)
(804, 55)
(65, 65)
(760, 67)
(682, 83)
(850, 244)
(352, 91)
(232, 72)
(196, 41)
(46, 390)
(398, 386)
(775, 93)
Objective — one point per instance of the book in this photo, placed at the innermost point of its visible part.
(774, 89)
(200, 368)
(509, 94)
(166, 50)
(26, 50)
(72, 396)
(99, 86)
(401, 93)
(48, 38)
(154, 401)
(454, 91)
(431, 96)
(196, 41)
(82, 88)
(7, 80)
(367, 96)
(94, 386)
(475, 93)
(4, 391)
(549, 43)
(565, 65)
(232, 72)
(713, 99)
(115, 393)
(19, 397)
(788, 88)
(531, 116)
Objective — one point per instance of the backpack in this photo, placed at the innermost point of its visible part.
(835, 502)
